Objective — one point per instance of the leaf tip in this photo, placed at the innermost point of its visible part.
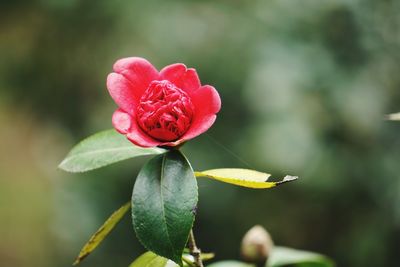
(392, 117)
(64, 166)
(76, 262)
(80, 258)
(61, 166)
(288, 178)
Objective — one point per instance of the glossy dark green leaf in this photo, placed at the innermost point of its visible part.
(282, 256)
(164, 200)
(102, 149)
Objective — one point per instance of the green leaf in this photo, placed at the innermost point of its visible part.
(244, 177)
(393, 117)
(231, 264)
(164, 201)
(282, 256)
(203, 256)
(102, 232)
(149, 259)
(206, 256)
(102, 149)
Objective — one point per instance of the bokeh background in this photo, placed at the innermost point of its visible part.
(305, 86)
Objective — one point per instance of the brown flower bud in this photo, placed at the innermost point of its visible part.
(256, 245)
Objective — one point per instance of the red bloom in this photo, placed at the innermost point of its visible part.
(163, 108)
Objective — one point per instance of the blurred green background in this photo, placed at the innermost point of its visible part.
(304, 85)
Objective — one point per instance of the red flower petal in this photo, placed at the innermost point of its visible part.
(138, 71)
(121, 121)
(182, 77)
(138, 137)
(130, 81)
(207, 103)
(126, 124)
(121, 90)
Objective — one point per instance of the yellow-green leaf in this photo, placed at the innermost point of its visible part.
(103, 231)
(393, 117)
(231, 264)
(203, 256)
(207, 256)
(150, 259)
(244, 177)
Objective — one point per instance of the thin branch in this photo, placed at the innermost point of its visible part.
(194, 250)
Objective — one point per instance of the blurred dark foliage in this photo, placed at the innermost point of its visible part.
(305, 86)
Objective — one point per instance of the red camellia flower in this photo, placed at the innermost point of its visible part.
(163, 108)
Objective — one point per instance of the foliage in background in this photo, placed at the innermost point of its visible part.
(332, 65)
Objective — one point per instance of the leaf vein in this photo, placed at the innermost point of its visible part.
(98, 151)
(162, 203)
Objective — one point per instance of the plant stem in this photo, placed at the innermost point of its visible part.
(194, 250)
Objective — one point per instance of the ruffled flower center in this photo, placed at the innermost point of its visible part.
(165, 111)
